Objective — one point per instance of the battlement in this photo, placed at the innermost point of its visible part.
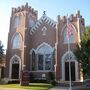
(24, 8)
(71, 18)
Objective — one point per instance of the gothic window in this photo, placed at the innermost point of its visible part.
(15, 60)
(31, 23)
(44, 30)
(33, 60)
(71, 38)
(45, 58)
(48, 59)
(40, 62)
(17, 21)
(16, 41)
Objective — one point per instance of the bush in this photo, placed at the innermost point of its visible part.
(33, 79)
(13, 81)
(53, 83)
(51, 78)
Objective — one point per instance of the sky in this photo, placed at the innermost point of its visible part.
(52, 8)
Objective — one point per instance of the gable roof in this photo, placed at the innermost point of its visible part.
(45, 19)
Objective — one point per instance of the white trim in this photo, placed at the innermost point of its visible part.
(46, 45)
(0, 72)
(66, 26)
(32, 51)
(51, 48)
(44, 29)
(78, 28)
(45, 19)
(17, 33)
(63, 66)
(10, 65)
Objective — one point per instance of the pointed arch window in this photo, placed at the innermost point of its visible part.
(33, 61)
(16, 21)
(44, 30)
(71, 38)
(16, 43)
(31, 23)
(45, 58)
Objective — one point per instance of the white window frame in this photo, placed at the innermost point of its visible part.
(12, 41)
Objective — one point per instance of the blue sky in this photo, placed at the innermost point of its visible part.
(52, 8)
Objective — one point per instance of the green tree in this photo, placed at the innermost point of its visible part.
(1, 52)
(83, 52)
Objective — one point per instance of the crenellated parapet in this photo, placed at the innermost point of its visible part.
(24, 8)
(72, 18)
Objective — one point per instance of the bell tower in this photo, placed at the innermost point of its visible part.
(77, 29)
(22, 19)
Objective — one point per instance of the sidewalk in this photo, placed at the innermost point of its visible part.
(59, 88)
(2, 88)
(64, 88)
(67, 88)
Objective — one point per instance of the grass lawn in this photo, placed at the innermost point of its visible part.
(33, 86)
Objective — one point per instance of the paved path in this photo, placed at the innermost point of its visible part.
(67, 88)
(2, 88)
(55, 88)
(63, 88)
(60, 88)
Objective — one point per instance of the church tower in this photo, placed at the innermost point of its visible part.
(62, 60)
(22, 18)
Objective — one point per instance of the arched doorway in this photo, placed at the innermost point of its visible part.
(14, 67)
(73, 77)
(65, 67)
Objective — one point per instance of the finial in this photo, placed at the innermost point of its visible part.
(44, 12)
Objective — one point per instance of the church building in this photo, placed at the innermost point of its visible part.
(41, 45)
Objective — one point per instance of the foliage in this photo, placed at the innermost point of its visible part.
(83, 51)
(51, 78)
(1, 52)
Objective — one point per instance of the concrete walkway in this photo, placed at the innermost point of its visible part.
(55, 88)
(60, 88)
(67, 88)
(2, 88)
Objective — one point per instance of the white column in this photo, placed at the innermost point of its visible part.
(0, 72)
(76, 71)
(78, 27)
(63, 70)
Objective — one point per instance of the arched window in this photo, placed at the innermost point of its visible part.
(31, 23)
(71, 38)
(16, 43)
(45, 56)
(44, 30)
(16, 21)
(33, 60)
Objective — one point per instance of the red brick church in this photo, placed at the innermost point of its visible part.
(40, 45)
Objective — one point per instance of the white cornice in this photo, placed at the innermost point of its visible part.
(45, 19)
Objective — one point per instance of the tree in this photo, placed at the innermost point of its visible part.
(1, 52)
(82, 52)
